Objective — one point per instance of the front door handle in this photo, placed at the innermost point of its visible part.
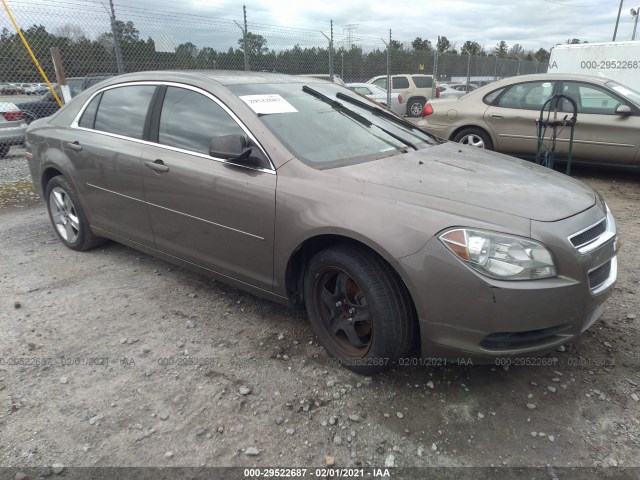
(157, 166)
(496, 115)
(75, 146)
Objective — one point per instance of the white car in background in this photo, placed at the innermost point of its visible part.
(380, 95)
(12, 127)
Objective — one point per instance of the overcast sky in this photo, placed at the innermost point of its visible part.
(531, 23)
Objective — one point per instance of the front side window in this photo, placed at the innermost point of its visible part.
(381, 82)
(527, 96)
(123, 110)
(191, 120)
(589, 99)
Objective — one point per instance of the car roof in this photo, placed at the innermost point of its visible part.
(550, 76)
(223, 77)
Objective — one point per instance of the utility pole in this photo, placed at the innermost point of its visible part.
(247, 67)
(330, 40)
(388, 63)
(615, 31)
(331, 54)
(116, 40)
(244, 40)
(635, 12)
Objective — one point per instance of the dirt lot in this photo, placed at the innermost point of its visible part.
(195, 373)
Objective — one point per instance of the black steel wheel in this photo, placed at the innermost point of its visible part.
(359, 308)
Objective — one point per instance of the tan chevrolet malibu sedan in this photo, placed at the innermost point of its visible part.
(303, 192)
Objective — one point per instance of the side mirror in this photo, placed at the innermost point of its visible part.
(623, 110)
(237, 148)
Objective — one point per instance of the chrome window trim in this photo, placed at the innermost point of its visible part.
(613, 275)
(608, 234)
(75, 124)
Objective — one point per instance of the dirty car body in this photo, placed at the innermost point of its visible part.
(301, 191)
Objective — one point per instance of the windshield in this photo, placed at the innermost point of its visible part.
(322, 126)
(625, 92)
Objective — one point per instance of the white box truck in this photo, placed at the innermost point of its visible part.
(619, 61)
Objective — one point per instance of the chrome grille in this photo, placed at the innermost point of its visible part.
(589, 235)
(600, 275)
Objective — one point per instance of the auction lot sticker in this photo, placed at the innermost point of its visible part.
(267, 104)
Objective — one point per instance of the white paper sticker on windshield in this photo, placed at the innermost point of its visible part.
(266, 104)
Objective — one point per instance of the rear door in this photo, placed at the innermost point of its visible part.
(206, 210)
(105, 148)
(513, 116)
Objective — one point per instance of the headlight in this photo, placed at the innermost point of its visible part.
(500, 256)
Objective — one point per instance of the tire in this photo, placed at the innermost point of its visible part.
(359, 309)
(415, 106)
(4, 150)
(28, 118)
(474, 137)
(67, 216)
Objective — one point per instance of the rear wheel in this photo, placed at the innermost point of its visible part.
(359, 308)
(68, 217)
(415, 107)
(474, 137)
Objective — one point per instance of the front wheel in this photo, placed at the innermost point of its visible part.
(474, 137)
(68, 217)
(359, 309)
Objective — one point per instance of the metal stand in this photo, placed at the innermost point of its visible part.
(545, 153)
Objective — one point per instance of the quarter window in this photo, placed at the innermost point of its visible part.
(123, 110)
(190, 120)
(89, 116)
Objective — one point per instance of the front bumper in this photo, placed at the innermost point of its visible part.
(463, 313)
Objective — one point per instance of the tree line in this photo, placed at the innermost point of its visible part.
(84, 56)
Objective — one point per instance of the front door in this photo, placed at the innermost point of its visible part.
(205, 210)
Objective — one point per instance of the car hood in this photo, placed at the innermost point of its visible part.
(480, 178)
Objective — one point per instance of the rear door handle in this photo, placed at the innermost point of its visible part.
(157, 166)
(496, 115)
(75, 146)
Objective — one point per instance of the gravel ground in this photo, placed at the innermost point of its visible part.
(192, 372)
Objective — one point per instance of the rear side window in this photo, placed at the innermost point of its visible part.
(423, 82)
(190, 120)
(527, 96)
(89, 116)
(123, 110)
(400, 82)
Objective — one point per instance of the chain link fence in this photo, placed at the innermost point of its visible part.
(97, 41)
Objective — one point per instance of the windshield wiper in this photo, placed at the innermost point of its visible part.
(381, 113)
(355, 115)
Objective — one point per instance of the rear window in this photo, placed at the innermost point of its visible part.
(423, 82)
